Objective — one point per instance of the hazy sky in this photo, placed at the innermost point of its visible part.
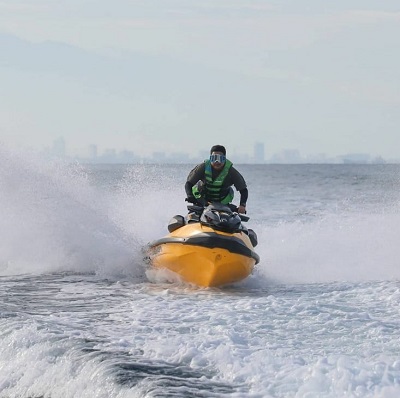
(182, 75)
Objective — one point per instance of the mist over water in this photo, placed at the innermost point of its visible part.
(358, 248)
(55, 220)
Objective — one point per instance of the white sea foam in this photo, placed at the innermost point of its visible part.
(38, 363)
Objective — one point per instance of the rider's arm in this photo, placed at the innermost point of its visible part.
(188, 188)
(194, 176)
(244, 194)
(240, 185)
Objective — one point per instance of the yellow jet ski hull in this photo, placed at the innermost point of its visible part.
(204, 257)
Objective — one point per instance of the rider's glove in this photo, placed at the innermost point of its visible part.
(191, 199)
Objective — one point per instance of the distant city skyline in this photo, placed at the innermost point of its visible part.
(286, 156)
(314, 77)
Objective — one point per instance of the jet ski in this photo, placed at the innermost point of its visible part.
(210, 247)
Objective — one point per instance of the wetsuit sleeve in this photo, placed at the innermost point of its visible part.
(244, 194)
(240, 185)
(194, 176)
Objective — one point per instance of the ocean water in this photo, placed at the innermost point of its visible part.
(82, 316)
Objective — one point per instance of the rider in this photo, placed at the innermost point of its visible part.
(212, 180)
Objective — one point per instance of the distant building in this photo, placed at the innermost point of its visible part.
(159, 157)
(127, 157)
(92, 152)
(259, 156)
(378, 160)
(356, 158)
(287, 156)
(319, 158)
(109, 156)
(58, 148)
(179, 157)
(242, 158)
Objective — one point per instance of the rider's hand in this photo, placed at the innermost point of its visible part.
(191, 199)
(242, 209)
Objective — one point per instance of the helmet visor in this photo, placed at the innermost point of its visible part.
(217, 158)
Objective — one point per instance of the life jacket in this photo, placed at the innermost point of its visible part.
(212, 189)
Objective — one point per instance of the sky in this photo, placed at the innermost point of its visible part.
(183, 75)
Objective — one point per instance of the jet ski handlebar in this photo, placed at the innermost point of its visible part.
(243, 217)
(198, 209)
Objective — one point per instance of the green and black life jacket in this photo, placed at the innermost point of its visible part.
(213, 188)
